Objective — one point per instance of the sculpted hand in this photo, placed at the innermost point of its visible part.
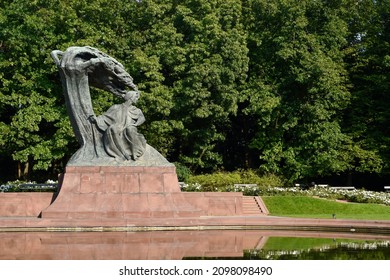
(92, 119)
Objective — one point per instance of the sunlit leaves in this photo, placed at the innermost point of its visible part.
(297, 51)
(297, 88)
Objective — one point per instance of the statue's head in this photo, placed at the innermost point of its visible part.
(131, 95)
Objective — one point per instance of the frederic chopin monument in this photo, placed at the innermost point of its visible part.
(115, 175)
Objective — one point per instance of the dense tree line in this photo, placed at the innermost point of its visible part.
(294, 88)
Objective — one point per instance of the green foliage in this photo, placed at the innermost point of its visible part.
(224, 181)
(296, 52)
(293, 88)
(199, 60)
(367, 117)
(183, 172)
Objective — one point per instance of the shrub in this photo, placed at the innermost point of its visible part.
(270, 185)
(182, 171)
(224, 181)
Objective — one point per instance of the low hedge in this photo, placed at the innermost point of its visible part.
(225, 181)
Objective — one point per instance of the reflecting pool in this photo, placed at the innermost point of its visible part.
(208, 244)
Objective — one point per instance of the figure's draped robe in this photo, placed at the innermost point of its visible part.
(120, 137)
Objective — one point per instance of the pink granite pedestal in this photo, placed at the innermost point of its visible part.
(24, 204)
(134, 192)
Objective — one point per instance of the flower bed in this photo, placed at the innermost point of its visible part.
(23, 186)
(358, 195)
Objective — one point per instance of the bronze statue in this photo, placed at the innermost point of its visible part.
(112, 138)
(119, 126)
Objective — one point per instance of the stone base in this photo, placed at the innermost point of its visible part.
(134, 192)
(24, 204)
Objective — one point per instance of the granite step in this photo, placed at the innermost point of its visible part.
(250, 206)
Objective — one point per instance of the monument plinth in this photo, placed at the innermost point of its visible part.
(113, 191)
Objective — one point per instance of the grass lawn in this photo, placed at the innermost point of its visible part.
(310, 207)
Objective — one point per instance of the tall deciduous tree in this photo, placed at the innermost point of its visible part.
(296, 55)
(367, 119)
(35, 129)
(28, 105)
(192, 62)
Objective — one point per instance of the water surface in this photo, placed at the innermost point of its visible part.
(176, 245)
